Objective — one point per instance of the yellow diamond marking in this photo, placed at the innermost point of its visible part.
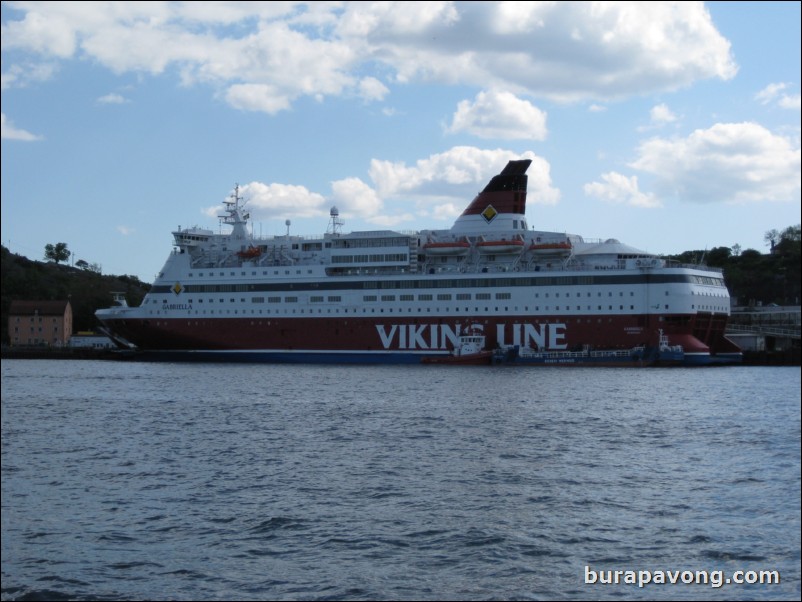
(177, 288)
(489, 213)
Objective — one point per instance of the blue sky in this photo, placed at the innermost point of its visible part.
(670, 126)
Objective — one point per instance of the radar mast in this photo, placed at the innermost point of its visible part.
(335, 225)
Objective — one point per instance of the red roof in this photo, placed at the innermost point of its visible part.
(41, 308)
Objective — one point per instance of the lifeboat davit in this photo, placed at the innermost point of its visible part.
(500, 246)
(447, 248)
(551, 248)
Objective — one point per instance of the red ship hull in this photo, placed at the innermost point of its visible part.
(397, 338)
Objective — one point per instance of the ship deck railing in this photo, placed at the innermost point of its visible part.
(231, 260)
(772, 331)
(693, 266)
(530, 353)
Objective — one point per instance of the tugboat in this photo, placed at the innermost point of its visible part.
(470, 350)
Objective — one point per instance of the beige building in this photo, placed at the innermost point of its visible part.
(40, 323)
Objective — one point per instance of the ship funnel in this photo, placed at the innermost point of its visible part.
(501, 201)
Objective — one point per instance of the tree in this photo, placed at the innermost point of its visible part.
(792, 233)
(57, 252)
(81, 263)
(718, 256)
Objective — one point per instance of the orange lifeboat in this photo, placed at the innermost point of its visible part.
(500, 246)
(551, 248)
(250, 253)
(447, 248)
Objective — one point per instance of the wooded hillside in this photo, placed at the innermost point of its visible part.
(87, 290)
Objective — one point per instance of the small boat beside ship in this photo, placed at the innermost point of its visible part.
(470, 350)
(663, 354)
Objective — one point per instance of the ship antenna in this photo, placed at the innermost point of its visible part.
(233, 202)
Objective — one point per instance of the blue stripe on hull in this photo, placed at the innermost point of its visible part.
(308, 357)
(705, 359)
(278, 357)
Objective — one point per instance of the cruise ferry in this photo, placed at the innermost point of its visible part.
(409, 297)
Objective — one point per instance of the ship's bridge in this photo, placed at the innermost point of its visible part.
(192, 237)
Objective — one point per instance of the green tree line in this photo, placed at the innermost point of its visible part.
(756, 278)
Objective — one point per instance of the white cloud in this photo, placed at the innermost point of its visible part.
(371, 88)
(522, 17)
(257, 97)
(354, 197)
(125, 230)
(499, 115)
(456, 176)
(278, 201)
(396, 19)
(446, 211)
(9, 132)
(561, 50)
(438, 173)
(42, 31)
(24, 74)
(740, 162)
(661, 114)
(617, 188)
(540, 189)
(580, 50)
(790, 102)
(769, 93)
(440, 186)
(112, 99)
(774, 93)
(277, 56)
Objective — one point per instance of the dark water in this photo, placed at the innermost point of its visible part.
(183, 482)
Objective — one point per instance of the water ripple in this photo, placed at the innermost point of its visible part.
(229, 482)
